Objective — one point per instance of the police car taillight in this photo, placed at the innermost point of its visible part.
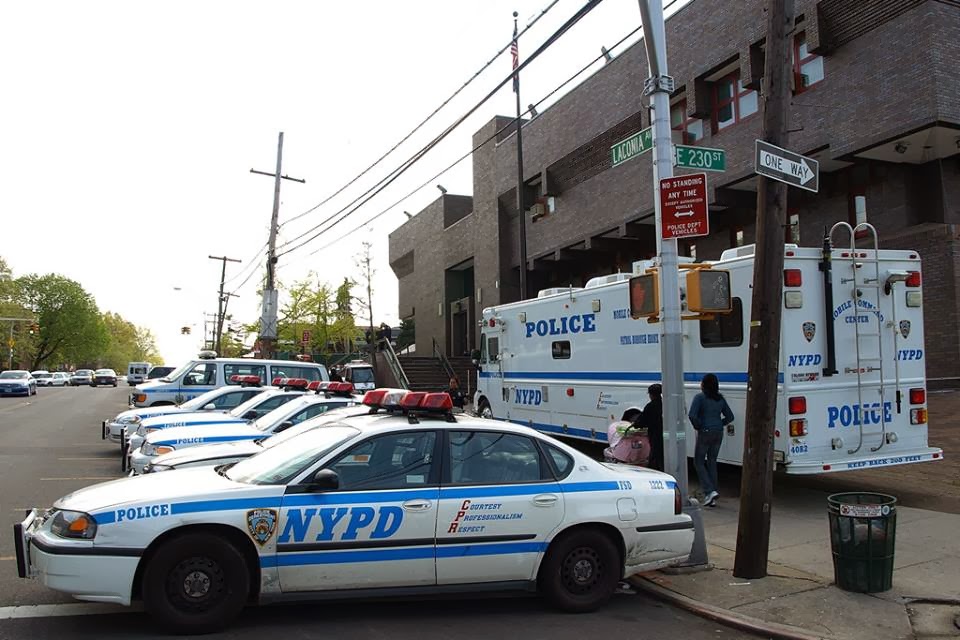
(437, 402)
(374, 398)
(797, 405)
(798, 428)
(918, 416)
(918, 396)
(792, 278)
(412, 399)
(913, 279)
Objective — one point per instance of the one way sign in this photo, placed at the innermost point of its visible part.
(787, 166)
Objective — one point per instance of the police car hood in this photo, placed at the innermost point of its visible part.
(236, 449)
(148, 412)
(150, 488)
(190, 419)
(206, 434)
(152, 384)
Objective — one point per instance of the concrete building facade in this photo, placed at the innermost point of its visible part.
(876, 99)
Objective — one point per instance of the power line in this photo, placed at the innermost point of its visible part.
(422, 123)
(385, 182)
(487, 140)
(251, 262)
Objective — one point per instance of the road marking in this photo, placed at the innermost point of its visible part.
(110, 458)
(2, 558)
(72, 609)
(83, 478)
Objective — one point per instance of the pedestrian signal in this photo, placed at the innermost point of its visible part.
(644, 296)
(708, 291)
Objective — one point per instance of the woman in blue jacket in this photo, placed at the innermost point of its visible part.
(709, 414)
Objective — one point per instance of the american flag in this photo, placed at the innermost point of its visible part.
(515, 53)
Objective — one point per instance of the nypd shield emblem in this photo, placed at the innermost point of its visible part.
(809, 330)
(905, 328)
(262, 523)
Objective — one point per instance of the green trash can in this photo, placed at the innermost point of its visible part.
(863, 531)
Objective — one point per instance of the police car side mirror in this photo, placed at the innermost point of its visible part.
(251, 415)
(283, 426)
(209, 406)
(324, 479)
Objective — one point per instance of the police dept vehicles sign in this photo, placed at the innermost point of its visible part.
(361, 502)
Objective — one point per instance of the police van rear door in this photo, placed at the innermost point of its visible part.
(378, 529)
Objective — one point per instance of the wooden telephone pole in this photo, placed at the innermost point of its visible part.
(756, 486)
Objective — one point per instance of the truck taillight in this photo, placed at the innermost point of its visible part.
(797, 405)
(798, 428)
(918, 396)
(792, 278)
(918, 416)
(913, 279)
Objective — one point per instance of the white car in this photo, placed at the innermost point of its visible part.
(220, 399)
(60, 379)
(43, 378)
(373, 505)
(178, 438)
(260, 405)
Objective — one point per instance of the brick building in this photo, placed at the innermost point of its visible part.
(876, 99)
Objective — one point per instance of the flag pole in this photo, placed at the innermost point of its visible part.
(521, 208)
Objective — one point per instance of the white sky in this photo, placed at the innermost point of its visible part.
(128, 129)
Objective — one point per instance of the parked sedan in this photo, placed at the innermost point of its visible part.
(60, 379)
(81, 376)
(105, 377)
(43, 378)
(17, 382)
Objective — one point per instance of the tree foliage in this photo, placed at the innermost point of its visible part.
(127, 343)
(407, 335)
(325, 313)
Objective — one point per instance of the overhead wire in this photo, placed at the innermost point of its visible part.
(396, 173)
(476, 148)
(443, 104)
(249, 262)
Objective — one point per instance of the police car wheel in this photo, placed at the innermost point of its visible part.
(196, 583)
(580, 572)
(484, 410)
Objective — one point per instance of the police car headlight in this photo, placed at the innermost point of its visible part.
(147, 449)
(73, 524)
(129, 420)
(156, 468)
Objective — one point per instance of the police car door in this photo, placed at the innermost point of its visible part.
(376, 530)
(498, 504)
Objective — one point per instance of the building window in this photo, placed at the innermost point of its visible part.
(732, 102)
(792, 234)
(807, 67)
(737, 237)
(690, 128)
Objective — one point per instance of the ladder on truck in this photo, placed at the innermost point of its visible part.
(865, 298)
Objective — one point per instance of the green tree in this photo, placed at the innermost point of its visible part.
(127, 343)
(407, 335)
(71, 328)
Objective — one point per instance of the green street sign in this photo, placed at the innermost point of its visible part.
(637, 144)
(700, 158)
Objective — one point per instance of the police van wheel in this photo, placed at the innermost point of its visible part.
(484, 410)
(196, 583)
(580, 572)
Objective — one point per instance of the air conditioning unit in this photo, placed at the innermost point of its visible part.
(544, 206)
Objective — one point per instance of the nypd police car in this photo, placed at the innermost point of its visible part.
(178, 438)
(370, 505)
(260, 405)
(221, 399)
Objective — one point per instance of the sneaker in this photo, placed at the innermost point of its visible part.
(710, 499)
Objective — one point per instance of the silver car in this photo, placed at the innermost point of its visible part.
(81, 376)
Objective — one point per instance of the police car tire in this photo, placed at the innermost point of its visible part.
(580, 551)
(484, 406)
(214, 559)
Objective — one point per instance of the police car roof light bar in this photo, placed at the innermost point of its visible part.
(374, 397)
(246, 381)
(413, 399)
(314, 386)
(277, 381)
(295, 383)
(342, 388)
(437, 402)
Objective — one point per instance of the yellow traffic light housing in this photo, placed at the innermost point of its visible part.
(644, 296)
(708, 291)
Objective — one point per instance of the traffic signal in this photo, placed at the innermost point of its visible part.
(644, 296)
(185, 331)
(34, 328)
(708, 291)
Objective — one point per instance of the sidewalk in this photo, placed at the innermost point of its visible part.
(799, 591)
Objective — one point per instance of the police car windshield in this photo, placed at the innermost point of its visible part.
(14, 374)
(331, 416)
(271, 418)
(241, 409)
(204, 399)
(282, 463)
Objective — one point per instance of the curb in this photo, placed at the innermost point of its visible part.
(723, 616)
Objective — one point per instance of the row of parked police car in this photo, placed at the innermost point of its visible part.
(250, 493)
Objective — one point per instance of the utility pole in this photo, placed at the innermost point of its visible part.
(220, 299)
(756, 485)
(268, 315)
(208, 319)
(659, 86)
(521, 204)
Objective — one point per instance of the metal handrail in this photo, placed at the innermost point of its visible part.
(393, 362)
(438, 354)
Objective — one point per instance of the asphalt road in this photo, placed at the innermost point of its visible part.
(50, 445)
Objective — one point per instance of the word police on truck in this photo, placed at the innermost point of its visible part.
(851, 387)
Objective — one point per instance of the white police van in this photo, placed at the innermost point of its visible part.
(372, 505)
(209, 372)
(852, 384)
(137, 372)
(360, 374)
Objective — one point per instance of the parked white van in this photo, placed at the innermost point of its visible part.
(208, 372)
(137, 372)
